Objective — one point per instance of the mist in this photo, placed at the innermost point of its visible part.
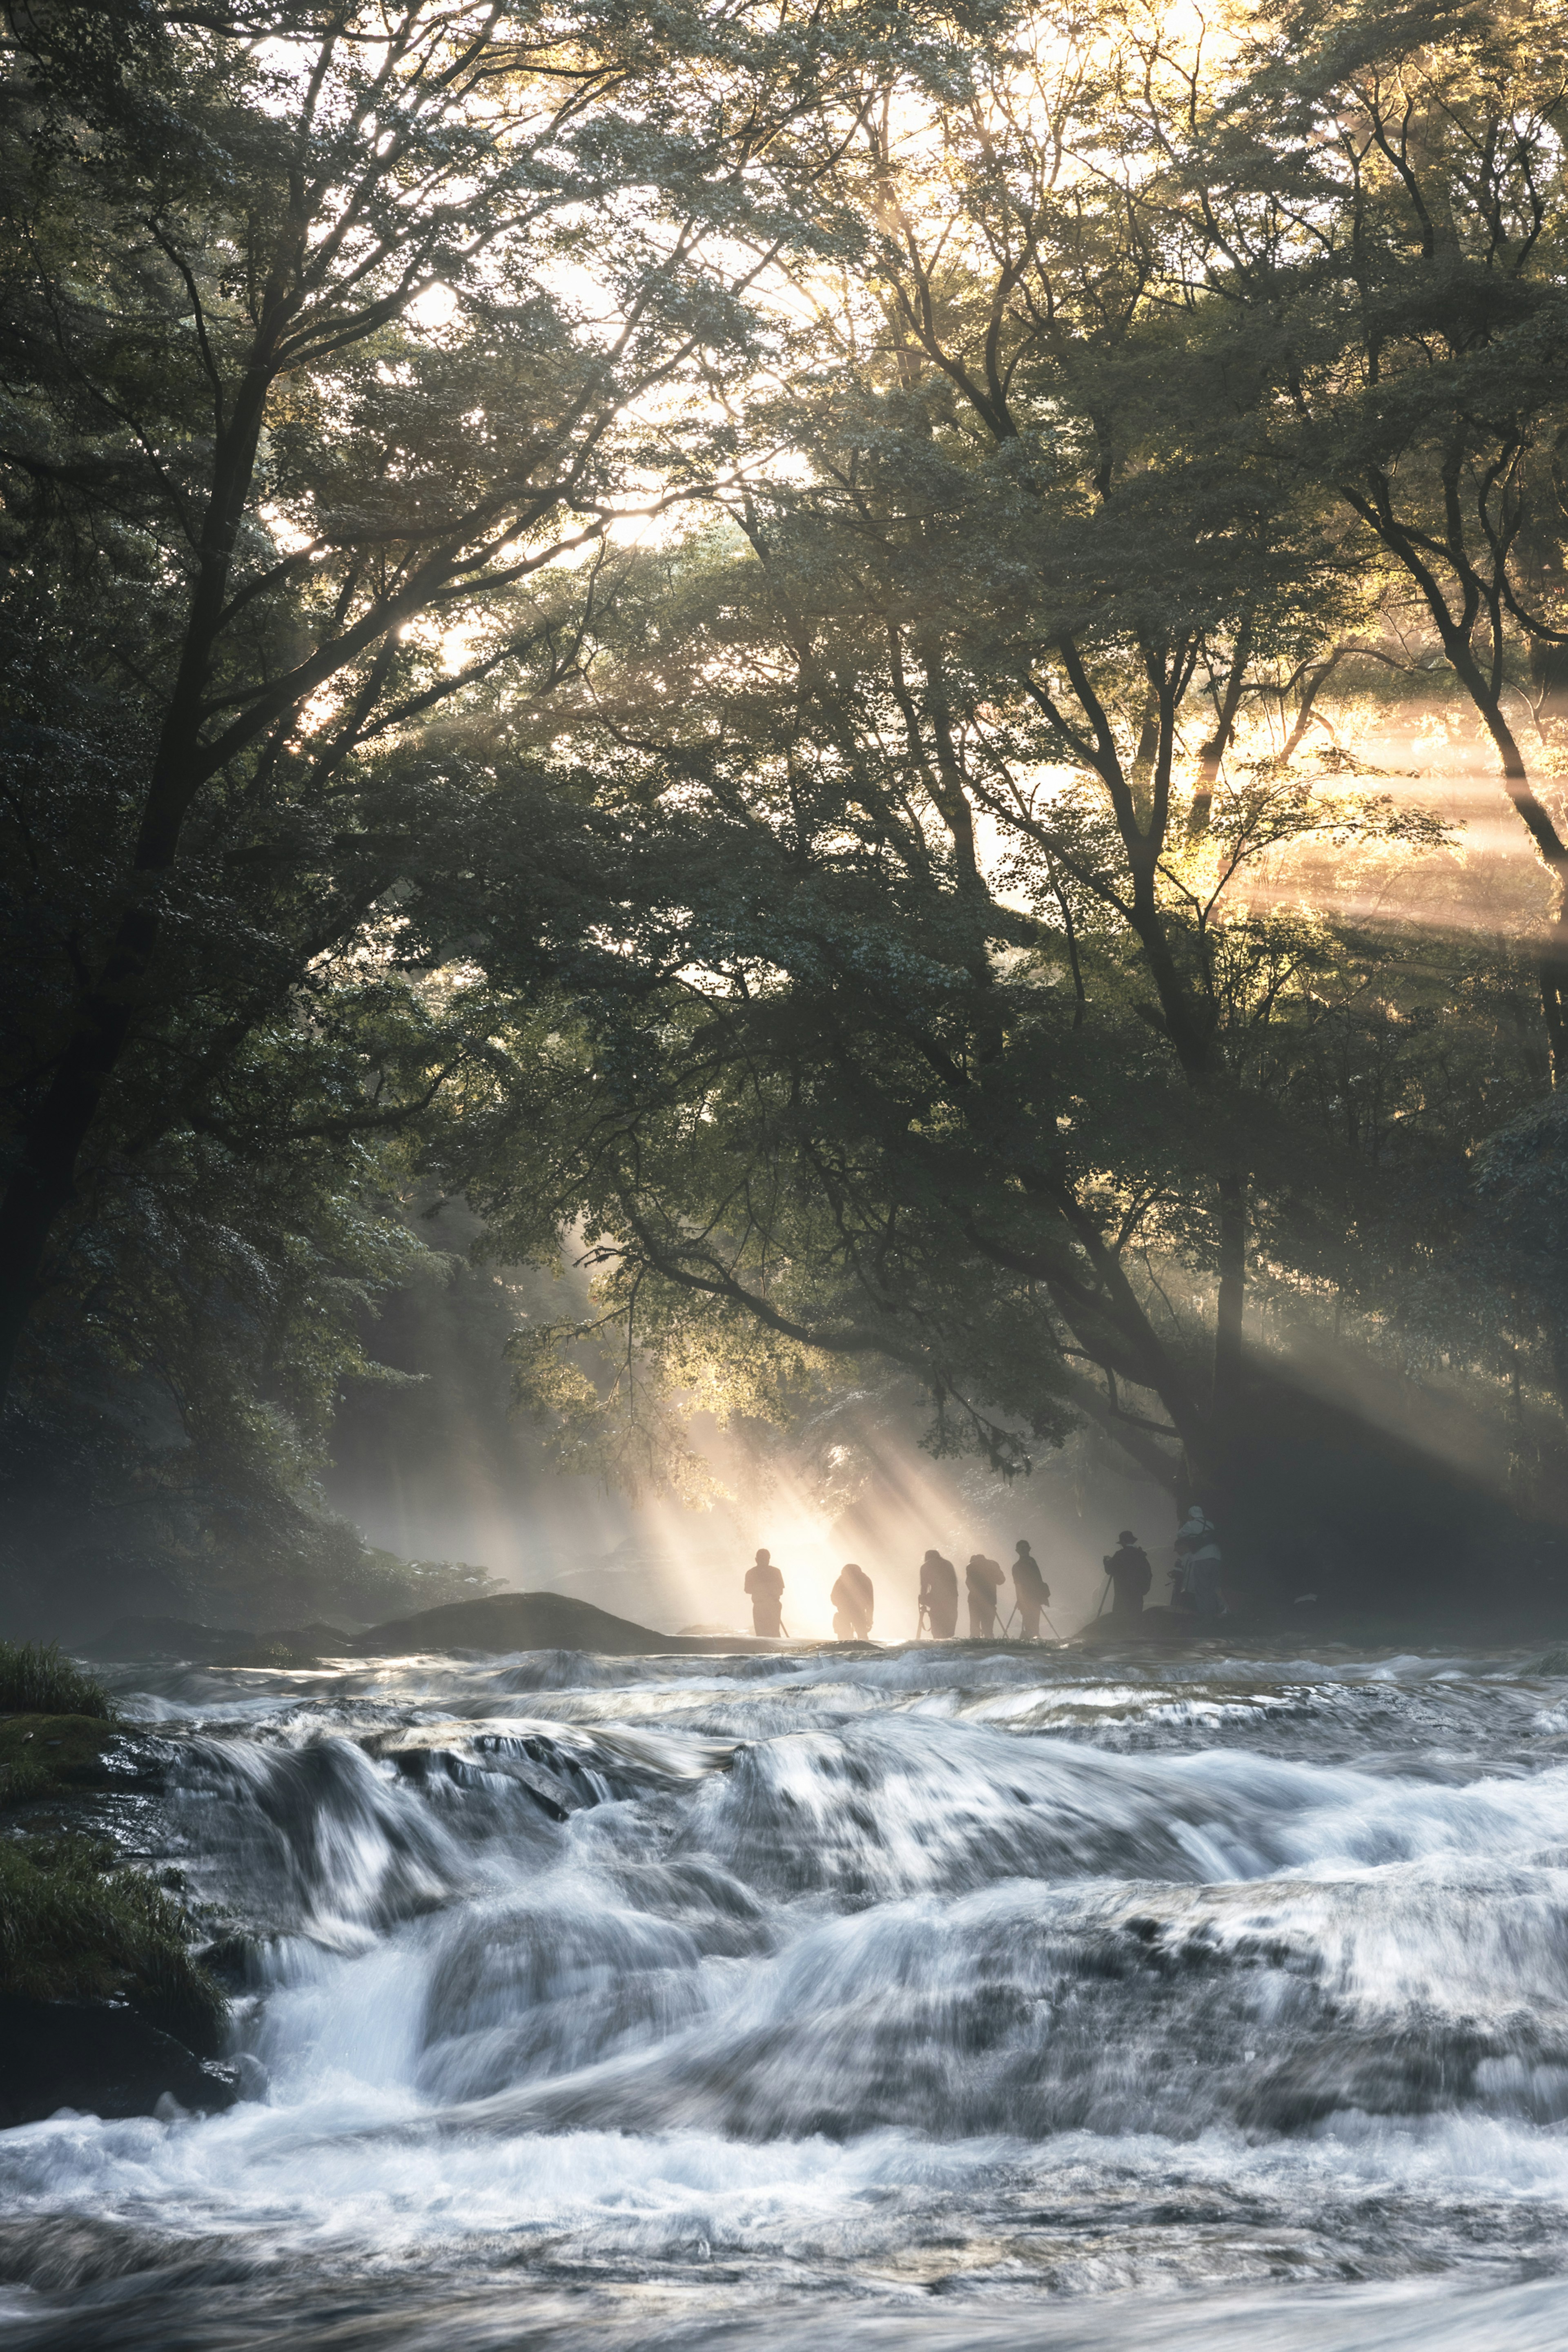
(446, 1469)
(783, 795)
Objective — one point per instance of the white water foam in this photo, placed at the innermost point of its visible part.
(851, 1981)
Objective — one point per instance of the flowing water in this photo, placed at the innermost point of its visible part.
(934, 1998)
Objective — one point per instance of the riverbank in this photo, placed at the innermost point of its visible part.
(103, 2004)
(949, 1994)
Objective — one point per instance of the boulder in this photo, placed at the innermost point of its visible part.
(102, 2058)
(1156, 1624)
(533, 1621)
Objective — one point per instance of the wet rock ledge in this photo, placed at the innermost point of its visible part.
(102, 2058)
(103, 2007)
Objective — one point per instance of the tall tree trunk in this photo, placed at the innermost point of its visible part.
(1166, 1467)
(1484, 688)
(1553, 977)
(1231, 1301)
(1215, 749)
(1548, 676)
(43, 1180)
(1552, 958)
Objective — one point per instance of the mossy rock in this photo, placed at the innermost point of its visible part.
(73, 1927)
(43, 1755)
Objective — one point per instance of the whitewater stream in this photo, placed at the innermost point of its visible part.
(934, 1999)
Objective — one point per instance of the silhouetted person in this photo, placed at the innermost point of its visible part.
(1187, 1537)
(854, 1604)
(1131, 1575)
(1031, 1590)
(1198, 1565)
(939, 1595)
(765, 1585)
(983, 1583)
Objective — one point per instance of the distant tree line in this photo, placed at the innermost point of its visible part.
(750, 637)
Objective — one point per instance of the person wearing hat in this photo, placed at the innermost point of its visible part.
(1032, 1590)
(1131, 1575)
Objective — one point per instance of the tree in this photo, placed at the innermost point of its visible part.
(932, 1027)
(1377, 200)
(334, 332)
(882, 922)
(822, 1092)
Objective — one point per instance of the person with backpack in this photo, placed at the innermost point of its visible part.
(854, 1604)
(938, 1596)
(1131, 1575)
(983, 1583)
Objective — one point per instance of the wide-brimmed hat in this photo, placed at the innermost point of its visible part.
(1127, 1536)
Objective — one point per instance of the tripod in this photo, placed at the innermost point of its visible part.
(1011, 1613)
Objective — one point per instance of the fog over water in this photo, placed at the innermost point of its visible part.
(933, 1995)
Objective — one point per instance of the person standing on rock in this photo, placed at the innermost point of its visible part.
(983, 1583)
(938, 1596)
(765, 1585)
(1199, 1564)
(854, 1604)
(1031, 1592)
(1131, 1575)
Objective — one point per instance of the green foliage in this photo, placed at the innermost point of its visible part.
(72, 1928)
(44, 1755)
(307, 416)
(900, 922)
(38, 1679)
(817, 1097)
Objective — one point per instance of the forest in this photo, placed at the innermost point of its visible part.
(892, 683)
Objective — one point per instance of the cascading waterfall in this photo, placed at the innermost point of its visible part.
(973, 1998)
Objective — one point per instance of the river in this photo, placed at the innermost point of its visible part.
(933, 1998)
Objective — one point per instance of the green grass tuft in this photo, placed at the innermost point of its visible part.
(22, 1780)
(51, 1755)
(74, 1928)
(38, 1679)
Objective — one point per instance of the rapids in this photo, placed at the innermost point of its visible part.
(938, 1997)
